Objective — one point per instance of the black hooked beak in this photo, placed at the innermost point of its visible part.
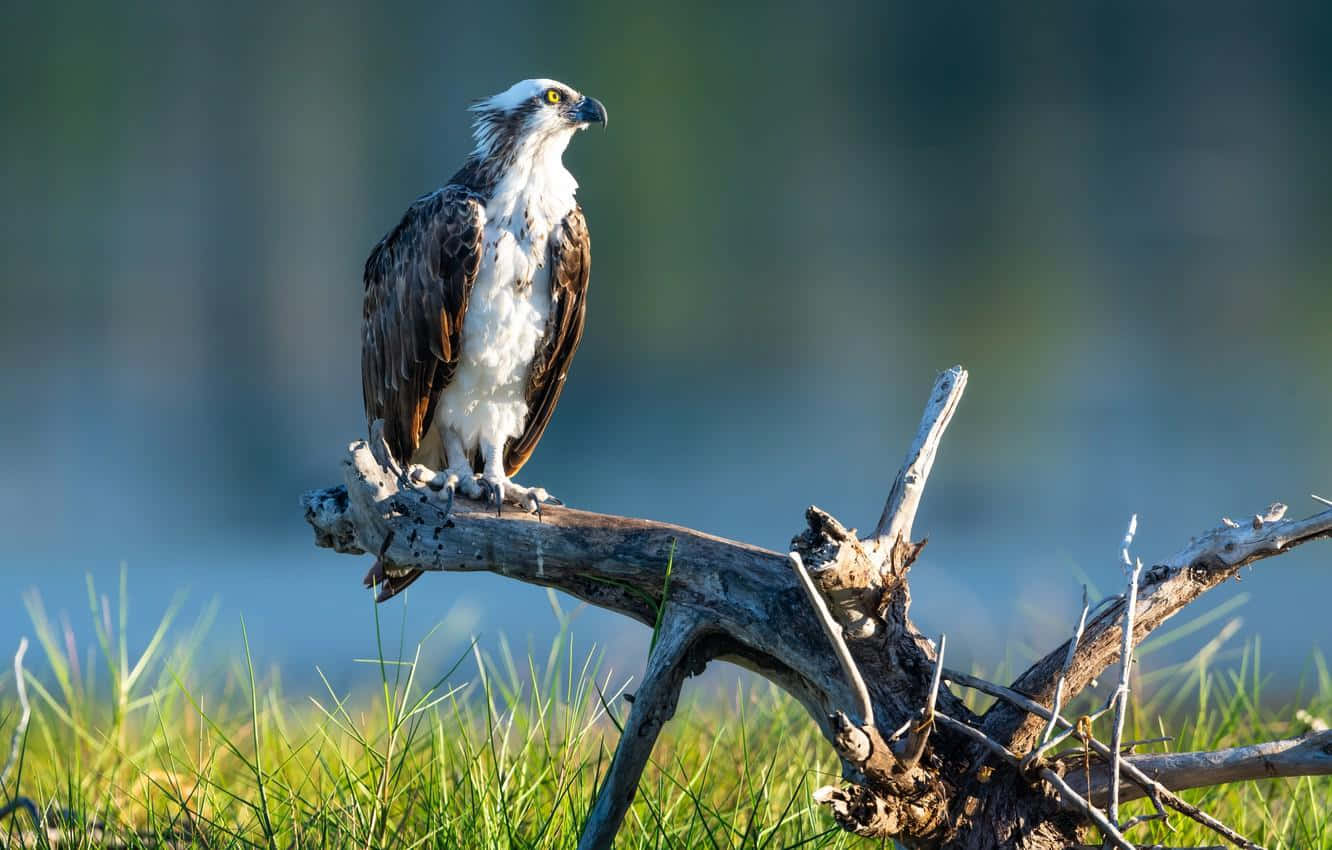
(590, 111)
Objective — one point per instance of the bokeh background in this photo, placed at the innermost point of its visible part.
(1115, 215)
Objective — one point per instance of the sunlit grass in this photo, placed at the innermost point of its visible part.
(503, 752)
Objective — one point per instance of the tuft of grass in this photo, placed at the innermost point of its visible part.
(506, 752)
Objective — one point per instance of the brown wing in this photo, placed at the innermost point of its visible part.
(570, 262)
(417, 281)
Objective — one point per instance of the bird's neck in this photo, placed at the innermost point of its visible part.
(527, 182)
(503, 162)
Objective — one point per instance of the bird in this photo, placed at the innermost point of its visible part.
(475, 304)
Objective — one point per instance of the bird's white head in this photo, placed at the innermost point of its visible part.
(532, 117)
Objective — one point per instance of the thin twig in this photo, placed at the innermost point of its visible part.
(938, 677)
(1128, 541)
(1068, 662)
(902, 730)
(1070, 730)
(1126, 668)
(1318, 498)
(1109, 831)
(834, 633)
(909, 754)
(1137, 819)
(1127, 746)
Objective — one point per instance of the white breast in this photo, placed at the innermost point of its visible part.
(510, 304)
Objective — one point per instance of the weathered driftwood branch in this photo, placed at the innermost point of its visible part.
(1165, 588)
(653, 704)
(829, 622)
(1307, 755)
(899, 512)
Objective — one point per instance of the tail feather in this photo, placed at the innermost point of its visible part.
(389, 583)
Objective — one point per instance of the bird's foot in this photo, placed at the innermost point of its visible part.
(443, 485)
(501, 489)
(492, 489)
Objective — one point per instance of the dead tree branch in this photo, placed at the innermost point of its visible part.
(1307, 755)
(1164, 589)
(899, 512)
(829, 622)
(653, 705)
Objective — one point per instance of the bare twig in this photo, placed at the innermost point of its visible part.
(1059, 687)
(834, 633)
(1071, 730)
(913, 746)
(1127, 746)
(1109, 831)
(899, 513)
(1126, 669)
(1318, 498)
(1159, 814)
(1128, 542)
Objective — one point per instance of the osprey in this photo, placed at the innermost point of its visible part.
(474, 303)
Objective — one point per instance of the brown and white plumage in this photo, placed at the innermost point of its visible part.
(570, 265)
(417, 281)
(475, 303)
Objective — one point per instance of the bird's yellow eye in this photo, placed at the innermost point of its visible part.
(553, 96)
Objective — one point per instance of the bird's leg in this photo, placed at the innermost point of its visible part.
(503, 489)
(493, 473)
